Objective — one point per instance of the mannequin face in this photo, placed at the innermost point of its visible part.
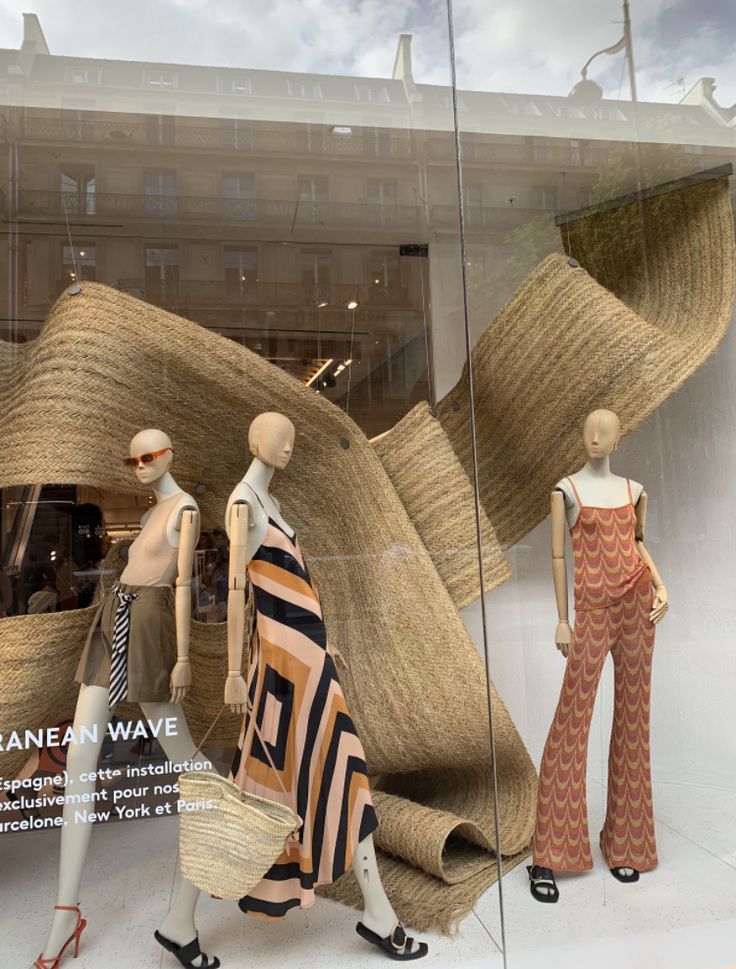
(601, 434)
(148, 442)
(271, 439)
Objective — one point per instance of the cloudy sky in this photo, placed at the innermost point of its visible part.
(535, 46)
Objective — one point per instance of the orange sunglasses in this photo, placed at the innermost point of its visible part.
(148, 458)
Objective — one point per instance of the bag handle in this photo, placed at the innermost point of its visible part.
(249, 708)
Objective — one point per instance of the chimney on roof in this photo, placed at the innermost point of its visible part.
(402, 64)
(402, 67)
(702, 90)
(33, 34)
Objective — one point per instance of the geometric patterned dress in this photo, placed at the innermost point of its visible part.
(304, 720)
(613, 598)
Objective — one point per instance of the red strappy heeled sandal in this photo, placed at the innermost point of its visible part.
(76, 935)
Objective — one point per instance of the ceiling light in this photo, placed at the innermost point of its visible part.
(348, 362)
(352, 304)
(376, 280)
(81, 252)
(341, 129)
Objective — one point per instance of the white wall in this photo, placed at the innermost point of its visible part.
(685, 454)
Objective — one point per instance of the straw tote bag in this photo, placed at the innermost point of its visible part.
(228, 838)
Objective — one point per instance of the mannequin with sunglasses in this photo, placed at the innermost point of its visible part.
(299, 704)
(131, 655)
(619, 599)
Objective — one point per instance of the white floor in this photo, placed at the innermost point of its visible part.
(682, 916)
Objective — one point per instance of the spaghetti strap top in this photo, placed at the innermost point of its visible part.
(606, 560)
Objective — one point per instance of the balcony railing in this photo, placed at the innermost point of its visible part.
(93, 206)
(213, 293)
(225, 134)
(527, 153)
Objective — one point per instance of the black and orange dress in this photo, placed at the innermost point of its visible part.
(303, 718)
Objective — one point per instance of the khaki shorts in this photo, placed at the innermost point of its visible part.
(151, 645)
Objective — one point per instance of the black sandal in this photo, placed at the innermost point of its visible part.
(396, 946)
(619, 874)
(540, 877)
(186, 954)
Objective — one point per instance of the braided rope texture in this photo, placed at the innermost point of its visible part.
(106, 365)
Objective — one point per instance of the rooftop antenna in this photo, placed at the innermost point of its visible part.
(680, 85)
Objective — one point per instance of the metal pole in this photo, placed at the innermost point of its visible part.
(629, 51)
(475, 477)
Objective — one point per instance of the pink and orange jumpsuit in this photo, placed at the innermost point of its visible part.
(613, 598)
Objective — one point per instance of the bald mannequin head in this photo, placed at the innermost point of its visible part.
(271, 439)
(601, 433)
(148, 442)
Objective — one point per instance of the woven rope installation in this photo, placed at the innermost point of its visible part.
(565, 344)
(106, 365)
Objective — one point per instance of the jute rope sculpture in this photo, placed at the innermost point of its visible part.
(565, 344)
(106, 365)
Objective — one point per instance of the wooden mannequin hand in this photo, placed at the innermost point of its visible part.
(181, 680)
(660, 605)
(236, 693)
(563, 637)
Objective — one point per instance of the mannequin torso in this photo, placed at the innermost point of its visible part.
(596, 489)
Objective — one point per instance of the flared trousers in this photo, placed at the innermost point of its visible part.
(561, 839)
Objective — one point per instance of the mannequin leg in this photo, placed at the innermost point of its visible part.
(93, 711)
(627, 839)
(378, 913)
(179, 923)
(561, 840)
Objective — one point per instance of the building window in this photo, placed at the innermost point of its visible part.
(382, 193)
(161, 80)
(159, 191)
(78, 191)
(544, 197)
(78, 125)
(160, 129)
(310, 90)
(374, 93)
(241, 270)
(313, 192)
(82, 75)
(234, 84)
(78, 262)
(384, 273)
(239, 194)
(315, 270)
(237, 132)
(162, 273)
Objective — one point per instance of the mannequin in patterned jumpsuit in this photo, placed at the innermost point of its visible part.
(619, 597)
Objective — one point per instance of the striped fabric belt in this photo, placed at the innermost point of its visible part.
(120, 640)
